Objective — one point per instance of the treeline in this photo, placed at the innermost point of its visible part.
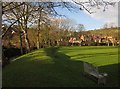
(52, 35)
(57, 33)
(48, 36)
(114, 32)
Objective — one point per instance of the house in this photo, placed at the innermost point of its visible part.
(94, 40)
(82, 38)
(74, 41)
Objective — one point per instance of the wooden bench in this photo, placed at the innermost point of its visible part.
(91, 70)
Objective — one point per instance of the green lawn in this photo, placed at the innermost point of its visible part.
(61, 67)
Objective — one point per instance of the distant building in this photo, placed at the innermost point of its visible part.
(82, 38)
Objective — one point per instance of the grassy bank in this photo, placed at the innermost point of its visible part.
(61, 67)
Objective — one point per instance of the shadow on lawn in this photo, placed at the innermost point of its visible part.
(60, 72)
(75, 68)
(71, 71)
(113, 74)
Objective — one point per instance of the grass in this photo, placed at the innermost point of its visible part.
(98, 56)
(61, 67)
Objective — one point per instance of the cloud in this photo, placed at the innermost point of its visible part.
(108, 16)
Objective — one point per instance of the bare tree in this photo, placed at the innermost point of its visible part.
(22, 13)
(86, 5)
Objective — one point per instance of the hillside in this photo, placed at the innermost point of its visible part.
(106, 32)
(61, 67)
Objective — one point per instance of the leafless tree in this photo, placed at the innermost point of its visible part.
(21, 13)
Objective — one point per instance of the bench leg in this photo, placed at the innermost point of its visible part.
(101, 81)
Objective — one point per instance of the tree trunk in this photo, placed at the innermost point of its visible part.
(58, 43)
(38, 35)
(20, 35)
(39, 28)
(21, 49)
(38, 40)
(27, 41)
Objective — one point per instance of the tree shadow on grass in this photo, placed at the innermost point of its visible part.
(58, 71)
(71, 72)
(113, 74)
(75, 68)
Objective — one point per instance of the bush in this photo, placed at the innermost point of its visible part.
(8, 53)
(93, 44)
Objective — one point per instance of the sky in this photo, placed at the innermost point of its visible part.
(92, 21)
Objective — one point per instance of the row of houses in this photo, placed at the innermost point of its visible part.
(94, 40)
